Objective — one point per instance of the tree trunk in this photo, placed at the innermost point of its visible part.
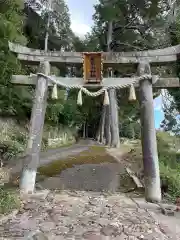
(49, 3)
(148, 134)
(31, 163)
(113, 110)
(84, 130)
(115, 142)
(107, 129)
(100, 132)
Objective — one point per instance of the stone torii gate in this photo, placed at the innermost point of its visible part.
(143, 80)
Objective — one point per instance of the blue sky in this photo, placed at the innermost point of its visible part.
(81, 21)
(81, 15)
(159, 114)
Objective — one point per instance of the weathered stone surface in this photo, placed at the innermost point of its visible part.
(4, 219)
(47, 226)
(103, 221)
(37, 236)
(84, 215)
(91, 235)
(89, 177)
(110, 230)
(160, 55)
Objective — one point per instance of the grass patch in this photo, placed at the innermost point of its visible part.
(8, 201)
(133, 156)
(172, 178)
(169, 161)
(94, 155)
(167, 150)
(14, 136)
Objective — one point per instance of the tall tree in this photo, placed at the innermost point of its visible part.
(137, 25)
(172, 96)
(48, 18)
(11, 29)
(171, 122)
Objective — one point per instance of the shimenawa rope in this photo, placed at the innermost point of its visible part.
(132, 95)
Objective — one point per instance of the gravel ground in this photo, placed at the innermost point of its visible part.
(81, 215)
(87, 206)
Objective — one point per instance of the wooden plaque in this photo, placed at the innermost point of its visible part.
(92, 67)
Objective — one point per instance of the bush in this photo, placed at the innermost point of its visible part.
(169, 162)
(8, 201)
(131, 130)
(13, 139)
(172, 178)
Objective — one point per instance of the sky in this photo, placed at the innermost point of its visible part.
(81, 15)
(158, 112)
(81, 12)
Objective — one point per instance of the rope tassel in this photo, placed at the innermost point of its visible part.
(79, 98)
(54, 92)
(106, 98)
(132, 93)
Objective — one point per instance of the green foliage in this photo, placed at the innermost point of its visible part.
(68, 113)
(16, 101)
(169, 162)
(11, 24)
(171, 176)
(139, 25)
(175, 92)
(128, 116)
(130, 129)
(60, 33)
(13, 139)
(168, 147)
(8, 201)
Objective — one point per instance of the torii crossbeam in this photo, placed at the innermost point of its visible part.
(169, 54)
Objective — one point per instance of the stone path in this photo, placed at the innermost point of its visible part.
(81, 215)
(51, 155)
(89, 177)
(56, 154)
(91, 209)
